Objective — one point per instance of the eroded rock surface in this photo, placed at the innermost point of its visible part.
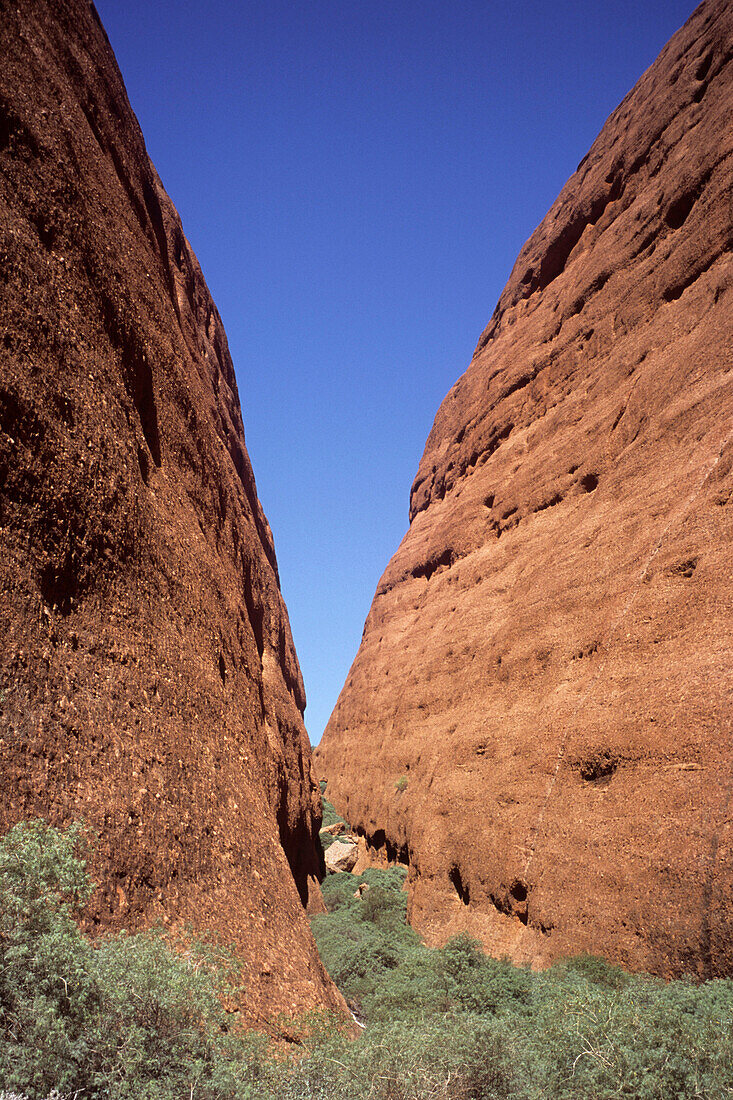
(547, 660)
(148, 680)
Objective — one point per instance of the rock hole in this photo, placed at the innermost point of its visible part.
(556, 498)
(589, 483)
(5, 127)
(19, 420)
(698, 96)
(518, 890)
(257, 621)
(13, 133)
(141, 378)
(155, 214)
(489, 501)
(683, 568)
(435, 565)
(459, 886)
(501, 904)
(396, 853)
(64, 408)
(598, 769)
(672, 293)
(678, 210)
(518, 384)
(222, 669)
(252, 600)
(47, 231)
(703, 67)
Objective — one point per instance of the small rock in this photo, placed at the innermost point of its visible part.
(336, 829)
(361, 889)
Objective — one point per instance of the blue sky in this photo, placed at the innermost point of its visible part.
(356, 178)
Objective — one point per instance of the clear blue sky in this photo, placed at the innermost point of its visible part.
(356, 178)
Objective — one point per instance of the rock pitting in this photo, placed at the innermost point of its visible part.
(148, 680)
(547, 659)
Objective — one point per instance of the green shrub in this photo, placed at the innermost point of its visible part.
(125, 1018)
(648, 1040)
(330, 817)
(455, 1058)
(452, 1022)
(595, 970)
(337, 890)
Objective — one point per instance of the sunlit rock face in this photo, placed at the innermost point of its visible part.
(539, 718)
(148, 678)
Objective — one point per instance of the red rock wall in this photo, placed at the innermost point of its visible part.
(148, 680)
(547, 660)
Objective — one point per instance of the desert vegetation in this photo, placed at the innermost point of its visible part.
(128, 1016)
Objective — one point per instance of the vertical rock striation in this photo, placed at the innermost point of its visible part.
(148, 680)
(547, 660)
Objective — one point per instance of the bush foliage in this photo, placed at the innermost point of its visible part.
(128, 1017)
(460, 1024)
(123, 1018)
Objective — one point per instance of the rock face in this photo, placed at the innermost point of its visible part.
(548, 657)
(148, 680)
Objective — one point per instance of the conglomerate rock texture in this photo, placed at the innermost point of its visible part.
(148, 680)
(539, 718)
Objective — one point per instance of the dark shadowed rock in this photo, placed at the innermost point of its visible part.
(547, 659)
(148, 678)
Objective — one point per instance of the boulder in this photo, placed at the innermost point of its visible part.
(148, 679)
(341, 856)
(547, 659)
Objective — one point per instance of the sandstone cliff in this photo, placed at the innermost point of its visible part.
(148, 680)
(539, 717)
